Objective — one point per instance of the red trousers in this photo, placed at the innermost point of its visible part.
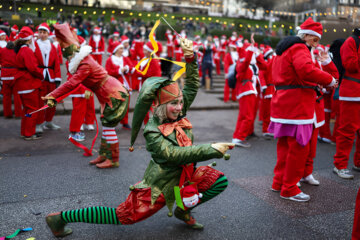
(356, 227)
(265, 106)
(309, 165)
(83, 112)
(227, 92)
(348, 129)
(30, 102)
(8, 91)
(217, 65)
(98, 58)
(49, 113)
(245, 122)
(137, 206)
(336, 114)
(125, 120)
(290, 166)
(325, 131)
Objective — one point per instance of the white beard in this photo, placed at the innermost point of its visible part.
(97, 38)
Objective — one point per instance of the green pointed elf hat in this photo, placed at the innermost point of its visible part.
(160, 88)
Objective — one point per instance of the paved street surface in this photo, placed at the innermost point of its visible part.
(50, 175)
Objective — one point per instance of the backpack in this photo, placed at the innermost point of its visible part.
(231, 76)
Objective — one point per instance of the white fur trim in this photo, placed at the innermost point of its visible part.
(27, 38)
(3, 33)
(293, 121)
(332, 83)
(117, 47)
(44, 28)
(75, 61)
(246, 93)
(147, 48)
(7, 78)
(351, 99)
(311, 32)
(26, 91)
(319, 124)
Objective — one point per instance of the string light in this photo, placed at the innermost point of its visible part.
(104, 12)
(131, 14)
(122, 12)
(94, 12)
(113, 11)
(149, 15)
(52, 8)
(85, 12)
(44, 9)
(139, 14)
(61, 9)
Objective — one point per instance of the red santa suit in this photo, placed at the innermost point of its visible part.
(83, 111)
(222, 50)
(247, 95)
(217, 55)
(112, 43)
(14, 33)
(8, 71)
(293, 106)
(28, 82)
(230, 58)
(177, 50)
(170, 44)
(268, 91)
(48, 60)
(136, 53)
(114, 66)
(349, 96)
(97, 44)
(327, 66)
(197, 45)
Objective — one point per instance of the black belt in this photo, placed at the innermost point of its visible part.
(45, 67)
(245, 81)
(320, 98)
(352, 79)
(286, 87)
(271, 84)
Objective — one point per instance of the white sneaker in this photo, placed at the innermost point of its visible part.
(301, 197)
(268, 136)
(241, 143)
(343, 173)
(39, 128)
(51, 125)
(90, 127)
(310, 180)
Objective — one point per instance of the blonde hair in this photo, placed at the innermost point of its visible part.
(160, 112)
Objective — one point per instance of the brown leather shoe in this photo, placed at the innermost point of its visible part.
(97, 160)
(108, 164)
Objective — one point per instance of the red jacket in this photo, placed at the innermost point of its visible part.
(137, 47)
(98, 48)
(114, 65)
(28, 75)
(8, 64)
(350, 87)
(49, 63)
(88, 72)
(294, 66)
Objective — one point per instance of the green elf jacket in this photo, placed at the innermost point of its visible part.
(164, 170)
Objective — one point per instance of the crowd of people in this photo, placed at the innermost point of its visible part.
(295, 90)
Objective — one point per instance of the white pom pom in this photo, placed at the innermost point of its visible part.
(200, 195)
(298, 28)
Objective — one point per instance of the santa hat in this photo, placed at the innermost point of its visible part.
(268, 51)
(223, 36)
(44, 26)
(117, 46)
(148, 47)
(159, 89)
(97, 30)
(262, 47)
(25, 33)
(15, 28)
(2, 33)
(124, 38)
(116, 34)
(197, 37)
(52, 35)
(234, 34)
(241, 37)
(190, 196)
(216, 37)
(36, 34)
(233, 38)
(311, 27)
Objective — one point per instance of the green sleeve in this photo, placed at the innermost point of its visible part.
(191, 84)
(165, 152)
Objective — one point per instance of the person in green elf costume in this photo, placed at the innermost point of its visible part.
(171, 174)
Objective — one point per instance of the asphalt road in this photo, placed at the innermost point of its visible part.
(50, 175)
